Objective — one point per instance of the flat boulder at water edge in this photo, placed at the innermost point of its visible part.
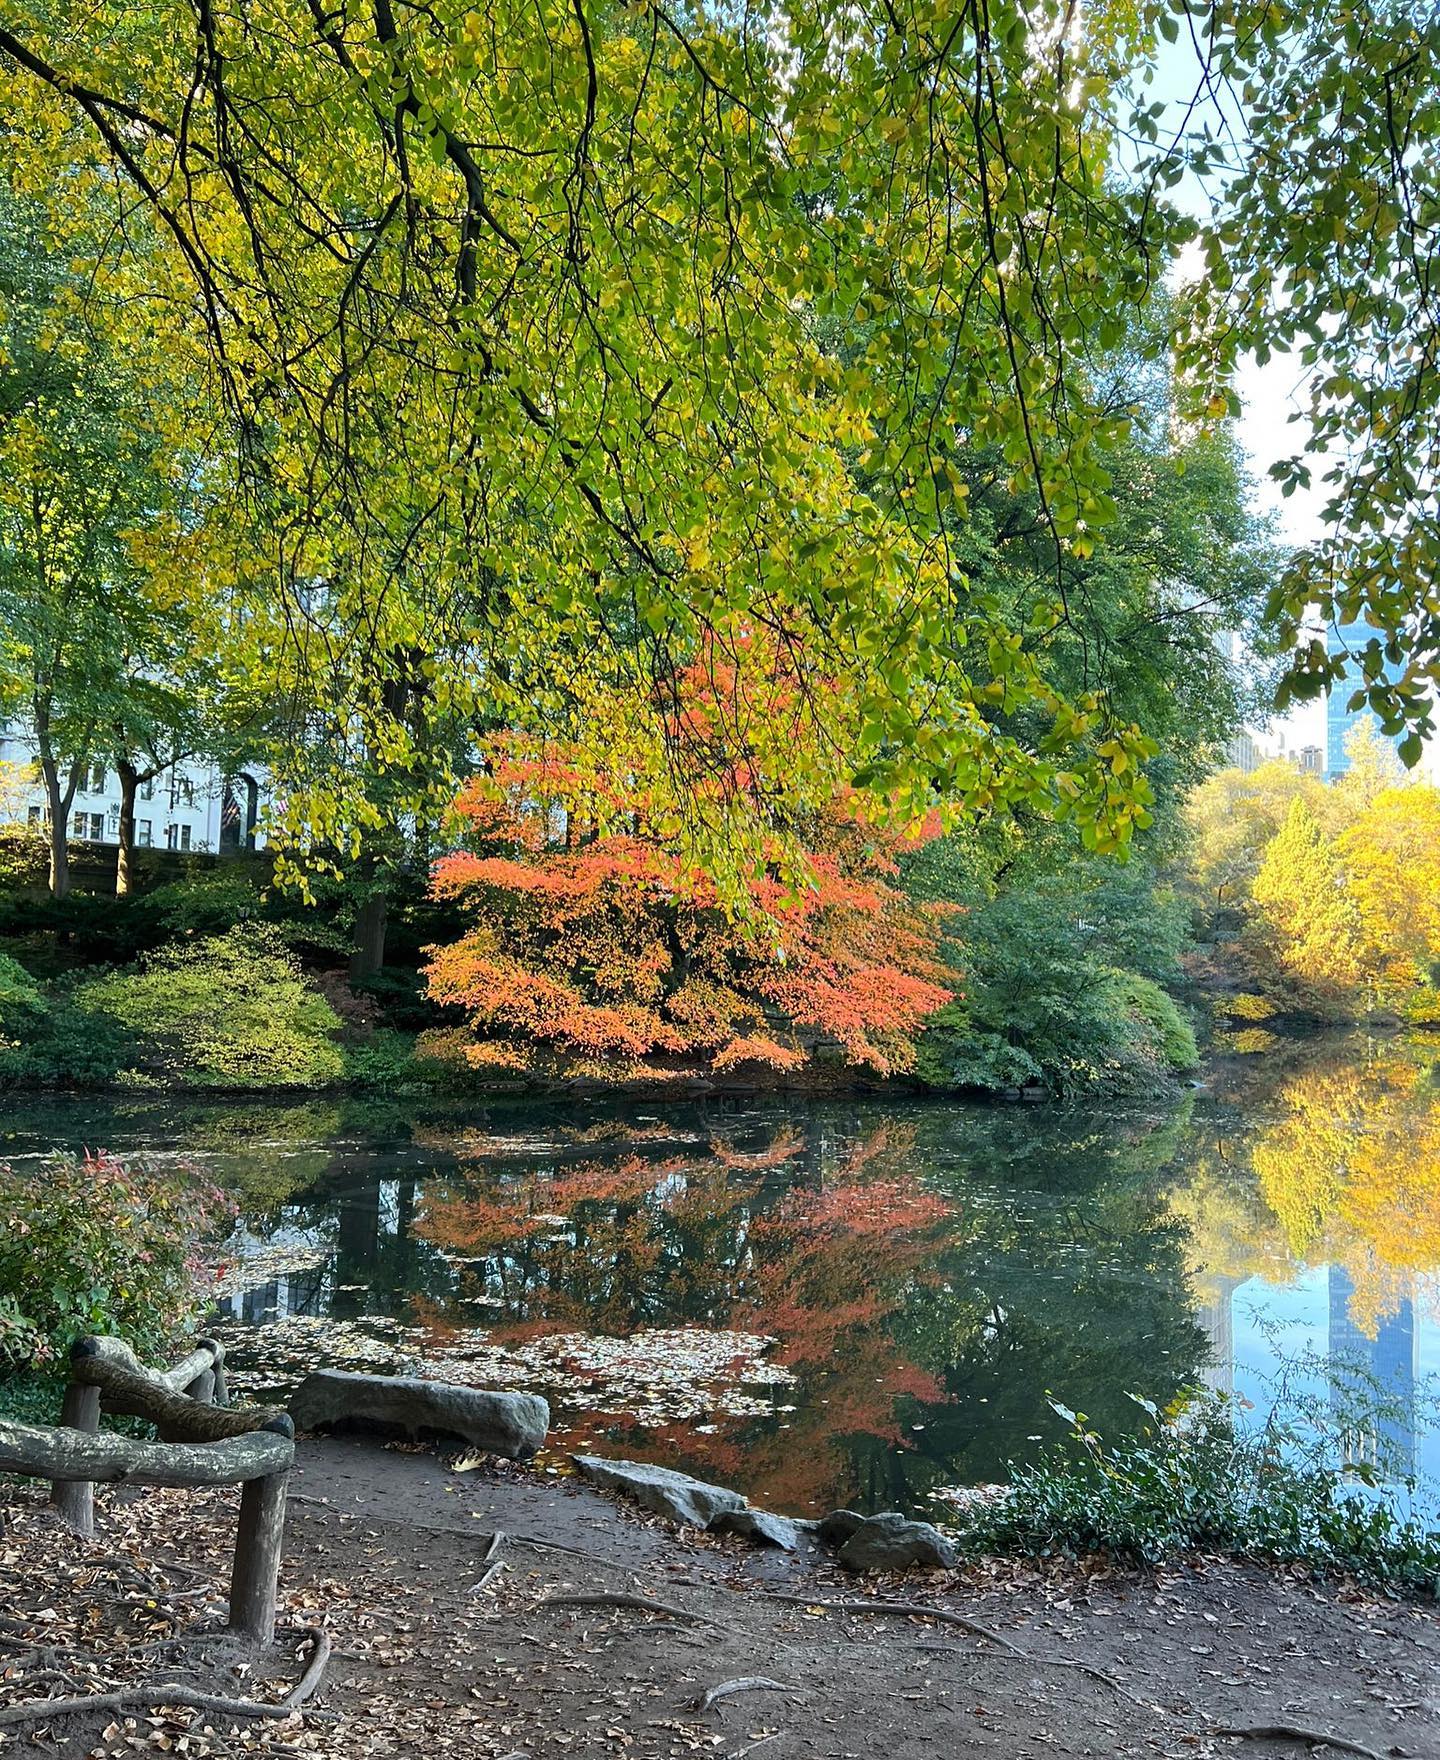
(690, 1502)
(513, 1425)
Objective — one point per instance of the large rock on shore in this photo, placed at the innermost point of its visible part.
(690, 1502)
(892, 1542)
(510, 1424)
(760, 1525)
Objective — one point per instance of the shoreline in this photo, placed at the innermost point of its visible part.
(604, 1631)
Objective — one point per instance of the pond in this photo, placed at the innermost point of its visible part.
(867, 1302)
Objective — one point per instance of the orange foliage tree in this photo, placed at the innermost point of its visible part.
(594, 946)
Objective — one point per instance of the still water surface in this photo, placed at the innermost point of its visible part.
(861, 1302)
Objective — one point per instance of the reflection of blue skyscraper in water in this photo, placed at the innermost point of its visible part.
(1372, 1382)
(1215, 1316)
(1348, 640)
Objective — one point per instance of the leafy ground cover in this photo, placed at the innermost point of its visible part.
(1200, 1485)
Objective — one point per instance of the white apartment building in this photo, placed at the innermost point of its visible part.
(185, 807)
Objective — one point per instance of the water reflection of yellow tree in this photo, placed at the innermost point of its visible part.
(1346, 1172)
(819, 1252)
(1351, 1169)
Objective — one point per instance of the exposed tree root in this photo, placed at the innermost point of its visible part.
(745, 1683)
(534, 1540)
(176, 1693)
(740, 1753)
(640, 1603)
(1293, 1732)
(947, 1616)
(492, 1562)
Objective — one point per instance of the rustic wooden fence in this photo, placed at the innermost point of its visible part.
(202, 1442)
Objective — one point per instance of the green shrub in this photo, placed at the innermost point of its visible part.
(24, 856)
(1199, 1485)
(93, 1244)
(1162, 1030)
(67, 1048)
(385, 1060)
(30, 1398)
(231, 1011)
(45, 1041)
(955, 1052)
(208, 902)
(22, 1002)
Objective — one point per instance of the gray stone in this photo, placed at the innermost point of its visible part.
(508, 1424)
(690, 1502)
(892, 1542)
(836, 1528)
(760, 1526)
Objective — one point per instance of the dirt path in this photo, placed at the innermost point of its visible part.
(427, 1664)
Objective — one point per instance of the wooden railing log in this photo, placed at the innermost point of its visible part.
(175, 1415)
(189, 1368)
(222, 1385)
(68, 1454)
(204, 1442)
(115, 1350)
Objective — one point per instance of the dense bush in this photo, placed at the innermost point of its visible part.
(231, 1011)
(46, 1041)
(22, 1002)
(386, 1061)
(1161, 1030)
(209, 901)
(1044, 1001)
(66, 1047)
(1199, 1485)
(93, 1244)
(1060, 959)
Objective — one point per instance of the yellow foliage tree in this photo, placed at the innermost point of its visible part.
(1303, 908)
(1232, 816)
(1391, 857)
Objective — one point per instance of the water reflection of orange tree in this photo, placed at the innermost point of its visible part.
(772, 1241)
(609, 1245)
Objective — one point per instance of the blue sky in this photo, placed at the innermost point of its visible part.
(1270, 395)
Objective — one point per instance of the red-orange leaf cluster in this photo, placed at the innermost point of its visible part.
(589, 944)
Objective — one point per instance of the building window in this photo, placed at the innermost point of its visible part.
(143, 833)
(97, 779)
(90, 827)
(147, 789)
(182, 792)
(33, 816)
(184, 837)
(172, 836)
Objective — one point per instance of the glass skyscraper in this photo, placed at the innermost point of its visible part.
(1347, 639)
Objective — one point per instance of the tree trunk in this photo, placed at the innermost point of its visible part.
(368, 948)
(58, 801)
(129, 784)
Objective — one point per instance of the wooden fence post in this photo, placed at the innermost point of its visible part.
(255, 1579)
(75, 1498)
(221, 1390)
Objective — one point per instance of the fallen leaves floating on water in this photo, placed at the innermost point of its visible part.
(658, 1376)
